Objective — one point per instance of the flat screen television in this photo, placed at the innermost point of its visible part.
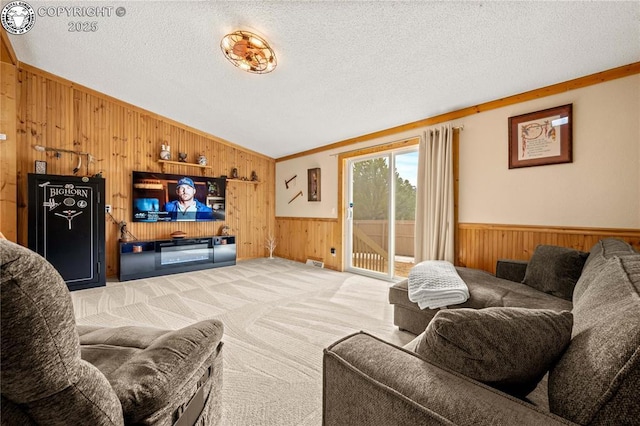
(160, 197)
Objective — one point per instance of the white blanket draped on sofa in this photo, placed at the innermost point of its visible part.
(435, 284)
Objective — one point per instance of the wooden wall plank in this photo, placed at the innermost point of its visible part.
(8, 151)
(300, 239)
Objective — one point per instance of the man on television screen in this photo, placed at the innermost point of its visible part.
(187, 207)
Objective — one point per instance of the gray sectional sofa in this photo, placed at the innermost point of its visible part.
(475, 366)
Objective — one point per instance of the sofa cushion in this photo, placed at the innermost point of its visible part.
(508, 348)
(597, 379)
(600, 253)
(608, 248)
(487, 291)
(555, 270)
(148, 367)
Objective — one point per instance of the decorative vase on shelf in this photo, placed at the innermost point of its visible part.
(182, 157)
(165, 152)
(202, 160)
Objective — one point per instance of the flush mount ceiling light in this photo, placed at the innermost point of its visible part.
(248, 51)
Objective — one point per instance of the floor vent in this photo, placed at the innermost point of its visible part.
(315, 263)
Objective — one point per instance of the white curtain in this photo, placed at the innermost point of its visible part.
(434, 209)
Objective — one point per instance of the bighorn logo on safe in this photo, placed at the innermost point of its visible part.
(67, 191)
(18, 17)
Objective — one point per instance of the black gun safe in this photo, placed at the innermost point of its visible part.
(66, 226)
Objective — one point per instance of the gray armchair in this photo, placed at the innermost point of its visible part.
(57, 373)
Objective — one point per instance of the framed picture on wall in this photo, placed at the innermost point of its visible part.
(541, 138)
(40, 167)
(313, 181)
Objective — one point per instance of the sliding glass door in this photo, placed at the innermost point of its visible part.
(381, 213)
(369, 213)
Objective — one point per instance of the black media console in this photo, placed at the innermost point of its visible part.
(142, 259)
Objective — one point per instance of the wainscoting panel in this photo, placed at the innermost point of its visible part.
(300, 238)
(481, 245)
(478, 245)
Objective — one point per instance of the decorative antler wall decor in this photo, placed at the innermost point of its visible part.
(90, 158)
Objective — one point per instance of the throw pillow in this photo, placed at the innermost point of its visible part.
(555, 270)
(510, 349)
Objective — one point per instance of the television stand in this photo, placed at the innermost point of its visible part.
(143, 259)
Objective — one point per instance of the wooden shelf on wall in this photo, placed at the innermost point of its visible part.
(180, 163)
(203, 168)
(255, 182)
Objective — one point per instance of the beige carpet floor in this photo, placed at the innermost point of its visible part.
(278, 316)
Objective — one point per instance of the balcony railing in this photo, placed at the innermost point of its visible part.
(368, 254)
(370, 237)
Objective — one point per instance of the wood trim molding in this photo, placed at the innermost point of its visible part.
(554, 229)
(366, 150)
(589, 80)
(8, 54)
(308, 219)
(455, 152)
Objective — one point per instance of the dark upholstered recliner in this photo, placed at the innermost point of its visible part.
(57, 373)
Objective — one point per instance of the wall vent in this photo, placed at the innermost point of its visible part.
(316, 263)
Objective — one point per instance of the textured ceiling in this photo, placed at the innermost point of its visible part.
(345, 68)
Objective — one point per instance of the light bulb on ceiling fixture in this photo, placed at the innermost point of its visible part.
(256, 42)
(249, 52)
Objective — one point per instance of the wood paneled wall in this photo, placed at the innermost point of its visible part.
(56, 113)
(302, 238)
(481, 245)
(8, 146)
(8, 152)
